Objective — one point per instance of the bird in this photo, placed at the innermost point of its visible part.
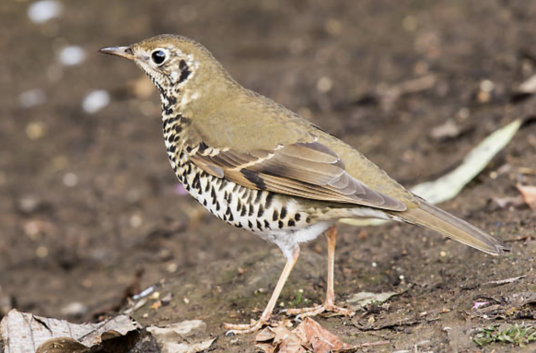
(259, 166)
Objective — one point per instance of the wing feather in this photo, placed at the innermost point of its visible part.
(308, 170)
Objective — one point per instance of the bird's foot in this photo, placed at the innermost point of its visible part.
(319, 309)
(244, 329)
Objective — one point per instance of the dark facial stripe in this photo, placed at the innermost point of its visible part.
(185, 71)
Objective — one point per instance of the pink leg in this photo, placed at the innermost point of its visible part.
(267, 313)
(329, 303)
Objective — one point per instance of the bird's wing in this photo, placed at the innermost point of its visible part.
(309, 170)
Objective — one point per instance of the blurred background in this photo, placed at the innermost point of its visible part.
(90, 210)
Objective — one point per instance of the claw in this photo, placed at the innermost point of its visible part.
(244, 329)
(319, 309)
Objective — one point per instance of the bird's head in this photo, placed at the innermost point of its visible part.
(172, 62)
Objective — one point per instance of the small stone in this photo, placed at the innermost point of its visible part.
(74, 309)
(41, 252)
(35, 130)
(95, 101)
(324, 84)
(409, 23)
(72, 55)
(135, 221)
(172, 268)
(29, 203)
(43, 11)
(32, 98)
(70, 180)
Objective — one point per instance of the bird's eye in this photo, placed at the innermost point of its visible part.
(158, 56)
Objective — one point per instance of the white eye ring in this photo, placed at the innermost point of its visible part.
(159, 56)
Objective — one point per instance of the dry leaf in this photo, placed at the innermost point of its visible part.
(286, 341)
(506, 202)
(317, 338)
(529, 86)
(529, 194)
(309, 336)
(181, 337)
(447, 130)
(361, 299)
(23, 332)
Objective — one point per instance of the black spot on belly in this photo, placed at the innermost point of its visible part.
(275, 215)
(259, 225)
(261, 211)
(269, 199)
(291, 223)
(266, 224)
(250, 225)
(283, 212)
(280, 224)
(297, 217)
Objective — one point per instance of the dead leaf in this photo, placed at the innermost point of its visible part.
(506, 202)
(309, 336)
(529, 194)
(529, 86)
(182, 337)
(506, 281)
(362, 299)
(317, 338)
(287, 342)
(448, 130)
(23, 332)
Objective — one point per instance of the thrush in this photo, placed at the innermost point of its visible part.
(259, 166)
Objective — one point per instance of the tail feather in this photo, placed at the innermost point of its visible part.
(453, 227)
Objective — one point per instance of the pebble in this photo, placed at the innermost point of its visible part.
(75, 309)
(29, 203)
(41, 252)
(35, 130)
(42, 11)
(95, 101)
(32, 97)
(72, 55)
(70, 180)
(324, 84)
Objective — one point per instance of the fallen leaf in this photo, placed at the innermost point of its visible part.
(316, 338)
(529, 86)
(182, 337)
(529, 194)
(506, 281)
(287, 342)
(362, 299)
(23, 332)
(448, 130)
(506, 202)
(477, 305)
(309, 336)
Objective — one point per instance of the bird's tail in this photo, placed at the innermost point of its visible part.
(432, 217)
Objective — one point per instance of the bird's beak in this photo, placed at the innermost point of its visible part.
(124, 52)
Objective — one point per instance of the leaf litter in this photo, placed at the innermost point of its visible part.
(309, 336)
(23, 332)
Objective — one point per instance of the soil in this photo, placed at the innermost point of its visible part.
(89, 208)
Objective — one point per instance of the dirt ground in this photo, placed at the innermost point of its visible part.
(89, 208)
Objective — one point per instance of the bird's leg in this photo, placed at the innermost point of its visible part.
(329, 303)
(267, 313)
